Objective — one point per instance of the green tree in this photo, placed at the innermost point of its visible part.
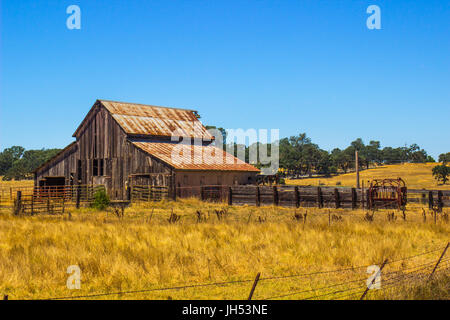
(19, 164)
(18, 171)
(342, 159)
(8, 157)
(430, 159)
(417, 155)
(373, 152)
(441, 173)
(444, 157)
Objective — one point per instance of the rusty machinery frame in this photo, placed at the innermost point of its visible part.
(387, 192)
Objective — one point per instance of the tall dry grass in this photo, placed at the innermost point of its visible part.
(143, 250)
(15, 183)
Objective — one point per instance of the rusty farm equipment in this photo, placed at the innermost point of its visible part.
(387, 193)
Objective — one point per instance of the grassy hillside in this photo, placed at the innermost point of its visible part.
(416, 176)
(143, 250)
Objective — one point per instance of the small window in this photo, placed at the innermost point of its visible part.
(235, 180)
(98, 168)
(95, 168)
(101, 167)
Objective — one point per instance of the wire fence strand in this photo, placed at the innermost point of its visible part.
(399, 274)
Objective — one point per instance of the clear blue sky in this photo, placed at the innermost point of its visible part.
(300, 66)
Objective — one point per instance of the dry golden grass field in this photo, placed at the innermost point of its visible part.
(416, 176)
(143, 251)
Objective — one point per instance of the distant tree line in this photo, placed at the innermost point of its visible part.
(17, 163)
(299, 156)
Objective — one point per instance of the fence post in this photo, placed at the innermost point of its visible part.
(430, 200)
(439, 200)
(63, 202)
(128, 193)
(19, 202)
(439, 261)
(32, 204)
(254, 286)
(354, 199)
(258, 197)
(174, 194)
(374, 278)
(337, 199)
(369, 202)
(5, 297)
(230, 196)
(297, 197)
(423, 200)
(202, 193)
(78, 195)
(275, 195)
(319, 197)
(362, 196)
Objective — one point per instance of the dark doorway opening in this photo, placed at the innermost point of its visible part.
(53, 181)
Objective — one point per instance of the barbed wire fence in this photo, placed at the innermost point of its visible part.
(353, 288)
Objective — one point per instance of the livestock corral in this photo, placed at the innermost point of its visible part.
(303, 245)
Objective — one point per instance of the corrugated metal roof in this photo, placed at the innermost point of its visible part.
(139, 119)
(194, 157)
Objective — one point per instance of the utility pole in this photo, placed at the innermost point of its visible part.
(357, 168)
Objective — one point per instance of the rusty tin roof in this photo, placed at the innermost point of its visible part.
(194, 157)
(139, 119)
(148, 120)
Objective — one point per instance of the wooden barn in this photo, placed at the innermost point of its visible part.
(119, 145)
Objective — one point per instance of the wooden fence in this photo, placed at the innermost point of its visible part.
(308, 196)
(148, 193)
(52, 200)
(55, 199)
(215, 193)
